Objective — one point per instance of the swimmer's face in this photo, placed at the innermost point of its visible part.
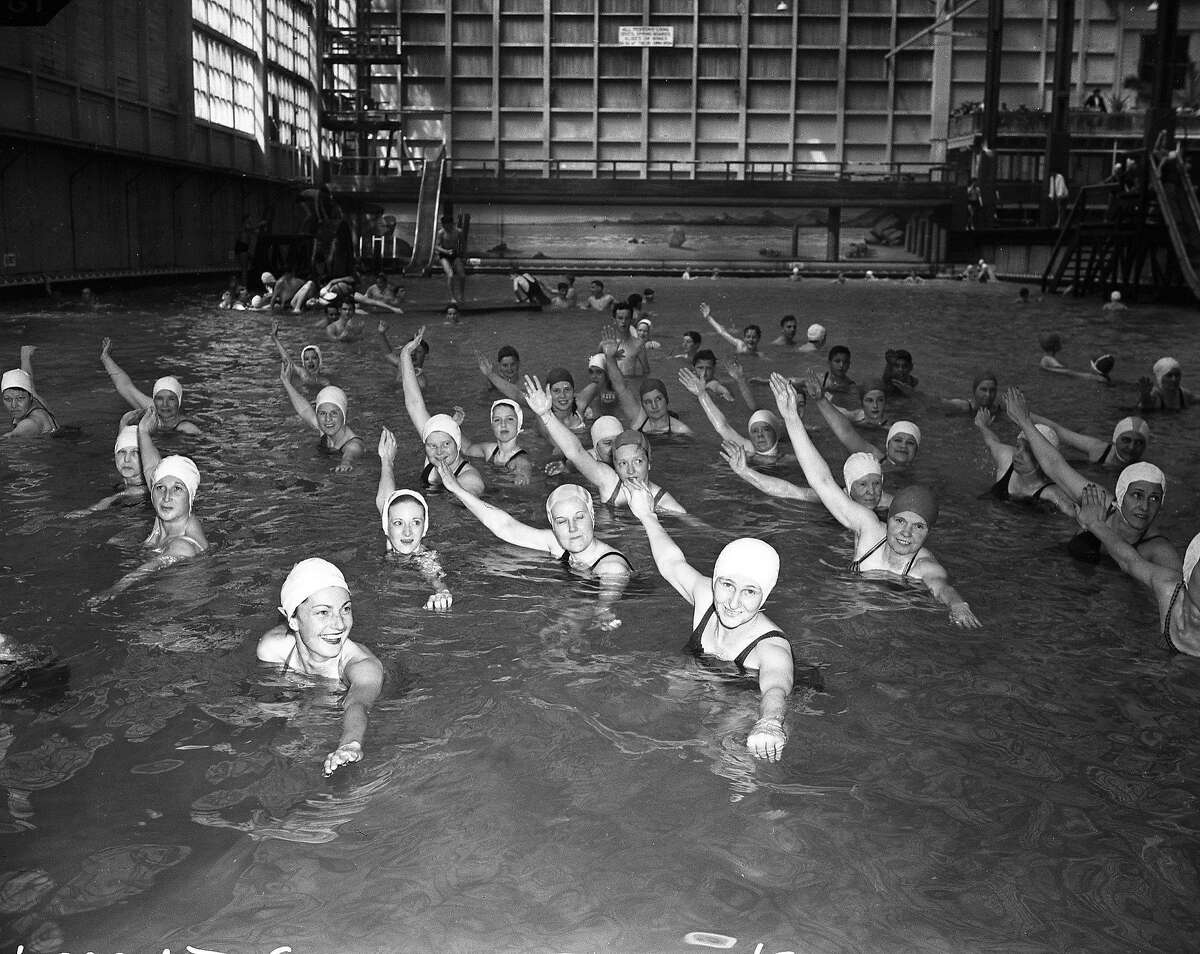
(509, 367)
(763, 437)
(562, 396)
(129, 463)
(874, 405)
(418, 357)
(17, 401)
(906, 532)
(643, 332)
(440, 446)
(706, 368)
(687, 343)
(452, 314)
(573, 526)
(310, 361)
(751, 336)
(737, 599)
(1130, 446)
(504, 422)
(406, 525)
(596, 375)
(1141, 504)
(603, 449)
(631, 460)
(330, 418)
(985, 393)
(624, 317)
(901, 367)
(902, 448)
(1170, 380)
(654, 403)
(166, 404)
(867, 490)
(323, 621)
(346, 311)
(789, 329)
(1023, 460)
(171, 498)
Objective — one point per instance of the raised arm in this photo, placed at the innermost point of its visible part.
(841, 425)
(1051, 461)
(488, 369)
(734, 455)
(503, 525)
(121, 380)
(1090, 515)
(387, 461)
(691, 380)
(669, 559)
(150, 458)
(1002, 453)
(596, 473)
(631, 404)
(738, 375)
(1093, 447)
(853, 516)
(274, 337)
(706, 314)
(299, 401)
(414, 400)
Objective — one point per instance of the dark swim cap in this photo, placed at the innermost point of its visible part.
(558, 375)
(1104, 364)
(917, 499)
(507, 351)
(630, 436)
(653, 384)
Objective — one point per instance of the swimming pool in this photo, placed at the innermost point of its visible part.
(532, 783)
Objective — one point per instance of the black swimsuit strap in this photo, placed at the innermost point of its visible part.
(696, 643)
(1166, 630)
(856, 566)
(741, 657)
(605, 556)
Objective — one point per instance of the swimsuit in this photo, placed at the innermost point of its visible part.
(428, 470)
(565, 560)
(671, 415)
(856, 566)
(492, 457)
(324, 445)
(42, 428)
(1104, 457)
(295, 653)
(1086, 546)
(999, 490)
(1166, 630)
(695, 645)
(612, 498)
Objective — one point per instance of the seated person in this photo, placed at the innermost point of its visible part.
(315, 641)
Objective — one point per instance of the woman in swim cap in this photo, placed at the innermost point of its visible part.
(1139, 494)
(897, 546)
(1051, 345)
(630, 455)
(649, 409)
(598, 397)
(1164, 393)
(166, 399)
(899, 448)
(1176, 592)
(765, 429)
(315, 641)
(30, 417)
(177, 533)
(1019, 477)
(984, 392)
(727, 617)
(327, 416)
(862, 475)
(504, 452)
(440, 433)
(405, 516)
(128, 459)
(571, 539)
(311, 359)
(1130, 438)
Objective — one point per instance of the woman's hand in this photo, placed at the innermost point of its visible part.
(387, 446)
(1015, 406)
(1092, 508)
(691, 380)
(486, 367)
(813, 388)
(459, 414)
(132, 416)
(983, 418)
(411, 346)
(536, 396)
(149, 422)
(286, 371)
(961, 615)
(767, 739)
(641, 498)
(734, 454)
(343, 755)
(439, 601)
(274, 328)
(344, 467)
(705, 311)
(555, 467)
(610, 341)
(785, 397)
(105, 347)
(449, 481)
(734, 367)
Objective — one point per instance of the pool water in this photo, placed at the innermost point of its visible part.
(532, 782)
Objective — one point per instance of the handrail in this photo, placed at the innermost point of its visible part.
(1169, 211)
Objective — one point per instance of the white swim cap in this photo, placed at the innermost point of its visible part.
(605, 428)
(858, 466)
(645, 321)
(771, 419)
(320, 357)
(570, 492)
(398, 495)
(183, 470)
(597, 361)
(509, 402)
(1164, 366)
(171, 384)
(1135, 424)
(268, 278)
(127, 437)
(749, 558)
(1049, 433)
(1115, 296)
(446, 424)
(308, 577)
(904, 427)
(1140, 471)
(335, 396)
(1191, 558)
(816, 332)
(256, 301)
(17, 378)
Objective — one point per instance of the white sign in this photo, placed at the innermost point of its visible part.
(646, 36)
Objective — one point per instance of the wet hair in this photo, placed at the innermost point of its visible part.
(596, 281)
(563, 286)
(647, 293)
(694, 336)
(635, 301)
(703, 355)
(1050, 342)
(785, 319)
(423, 347)
(900, 354)
(752, 327)
(506, 351)
(838, 349)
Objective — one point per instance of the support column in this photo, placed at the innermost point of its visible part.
(833, 238)
(1058, 142)
(991, 111)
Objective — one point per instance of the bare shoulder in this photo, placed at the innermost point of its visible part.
(276, 644)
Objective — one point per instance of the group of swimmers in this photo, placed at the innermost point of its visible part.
(620, 409)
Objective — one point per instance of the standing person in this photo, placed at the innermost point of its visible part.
(1059, 194)
(974, 204)
(727, 617)
(315, 641)
(167, 396)
(449, 251)
(30, 417)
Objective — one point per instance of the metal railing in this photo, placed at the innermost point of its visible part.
(1080, 122)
